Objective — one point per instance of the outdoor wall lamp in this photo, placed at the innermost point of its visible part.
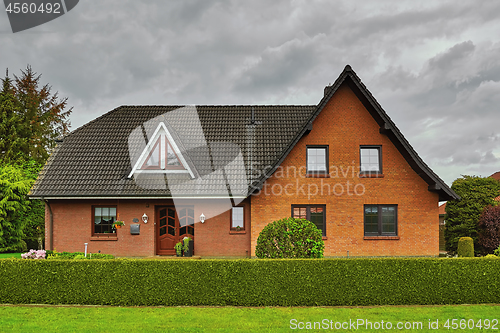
(145, 218)
(202, 218)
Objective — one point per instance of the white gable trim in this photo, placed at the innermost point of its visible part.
(149, 147)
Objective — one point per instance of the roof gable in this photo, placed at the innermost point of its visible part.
(387, 127)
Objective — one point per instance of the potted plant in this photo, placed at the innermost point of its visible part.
(178, 249)
(238, 228)
(118, 224)
(187, 247)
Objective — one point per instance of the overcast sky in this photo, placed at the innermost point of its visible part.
(433, 66)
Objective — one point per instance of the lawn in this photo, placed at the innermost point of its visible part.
(10, 255)
(229, 319)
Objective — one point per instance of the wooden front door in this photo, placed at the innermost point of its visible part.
(172, 226)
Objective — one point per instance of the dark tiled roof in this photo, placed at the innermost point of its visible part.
(94, 160)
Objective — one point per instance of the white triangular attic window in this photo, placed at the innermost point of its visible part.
(161, 155)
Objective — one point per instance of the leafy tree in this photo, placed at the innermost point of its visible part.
(13, 202)
(290, 238)
(462, 216)
(489, 225)
(39, 115)
(33, 218)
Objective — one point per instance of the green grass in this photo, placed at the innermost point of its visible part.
(10, 255)
(229, 319)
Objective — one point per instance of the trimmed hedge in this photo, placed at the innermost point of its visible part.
(275, 282)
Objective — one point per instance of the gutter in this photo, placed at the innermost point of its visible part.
(51, 224)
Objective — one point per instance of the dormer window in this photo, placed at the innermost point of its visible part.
(161, 155)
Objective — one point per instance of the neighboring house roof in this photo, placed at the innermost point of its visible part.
(442, 209)
(94, 160)
(496, 175)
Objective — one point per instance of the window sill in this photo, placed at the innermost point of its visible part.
(371, 175)
(236, 232)
(317, 175)
(381, 238)
(324, 238)
(103, 238)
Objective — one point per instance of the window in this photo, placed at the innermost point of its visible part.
(237, 218)
(317, 159)
(381, 220)
(371, 159)
(314, 213)
(162, 156)
(104, 217)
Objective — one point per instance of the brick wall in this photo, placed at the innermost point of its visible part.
(72, 221)
(344, 125)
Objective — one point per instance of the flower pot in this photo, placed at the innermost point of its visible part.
(118, 226)
(189, 252)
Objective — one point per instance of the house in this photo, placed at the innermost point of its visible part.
(496, 176)
(220, 174)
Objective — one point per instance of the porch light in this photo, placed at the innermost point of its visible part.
(202, 218)
(145, 218)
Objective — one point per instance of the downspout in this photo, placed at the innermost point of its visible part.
(51, 225)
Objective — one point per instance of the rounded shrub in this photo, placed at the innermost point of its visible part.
(465, 247)
(290, 238)
(491, 256)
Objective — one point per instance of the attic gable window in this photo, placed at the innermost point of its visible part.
(161, 155)
(370, 160)
(317, 160)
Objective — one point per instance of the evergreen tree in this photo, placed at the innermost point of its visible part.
(462, 216)
(32, 118)
(10, 141)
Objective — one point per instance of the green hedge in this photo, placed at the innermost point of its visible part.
(275, 282)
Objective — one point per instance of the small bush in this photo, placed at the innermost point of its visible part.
(497, 251)
(54, 255)
(489, 225)
(491, 256)
(290, 238)
(465, 247)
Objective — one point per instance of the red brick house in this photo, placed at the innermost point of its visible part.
(221, 173)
